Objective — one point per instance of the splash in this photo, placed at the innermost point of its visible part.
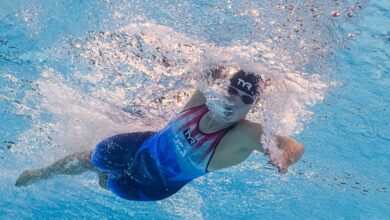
(287, 95)
(125, 81)
(139, 77)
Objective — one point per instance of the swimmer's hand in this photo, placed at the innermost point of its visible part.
(291, 152)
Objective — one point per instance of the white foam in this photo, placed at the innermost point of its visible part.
(284, 105)
(187, 204)
(138, 77)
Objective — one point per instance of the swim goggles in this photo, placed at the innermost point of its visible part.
(245, 98)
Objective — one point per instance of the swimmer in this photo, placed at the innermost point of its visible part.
(151, 166)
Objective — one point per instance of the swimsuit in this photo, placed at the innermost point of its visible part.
(147, 166)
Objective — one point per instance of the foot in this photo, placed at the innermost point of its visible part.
(103, 178)
(27, 177)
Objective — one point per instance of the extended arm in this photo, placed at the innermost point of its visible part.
(197, 97)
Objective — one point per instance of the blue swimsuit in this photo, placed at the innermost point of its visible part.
(149, 166)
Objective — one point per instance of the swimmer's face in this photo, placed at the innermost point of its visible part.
(238, 104)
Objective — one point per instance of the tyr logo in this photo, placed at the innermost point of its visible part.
(242, 83)
(187, 135)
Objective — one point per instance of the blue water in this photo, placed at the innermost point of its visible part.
(344, 173)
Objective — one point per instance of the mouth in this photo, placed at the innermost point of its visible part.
(228, 111)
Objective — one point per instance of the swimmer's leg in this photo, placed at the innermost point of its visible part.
(103, 179)
(115, 154)
(73, 164)
(110, 155)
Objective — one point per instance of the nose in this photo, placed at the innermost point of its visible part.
(233, 98)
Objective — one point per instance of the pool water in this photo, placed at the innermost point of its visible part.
(71, 72)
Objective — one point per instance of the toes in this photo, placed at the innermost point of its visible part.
(103, 178)
(24, 179)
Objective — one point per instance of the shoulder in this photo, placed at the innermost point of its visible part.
(249, 128)
(252, 132)
(249, 132)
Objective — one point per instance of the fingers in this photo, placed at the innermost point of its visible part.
(282, 168)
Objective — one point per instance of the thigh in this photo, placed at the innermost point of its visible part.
(116, 153)
(124, 186)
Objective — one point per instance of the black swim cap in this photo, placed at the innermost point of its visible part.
(246, 82)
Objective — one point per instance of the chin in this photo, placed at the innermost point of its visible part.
(230, 119)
